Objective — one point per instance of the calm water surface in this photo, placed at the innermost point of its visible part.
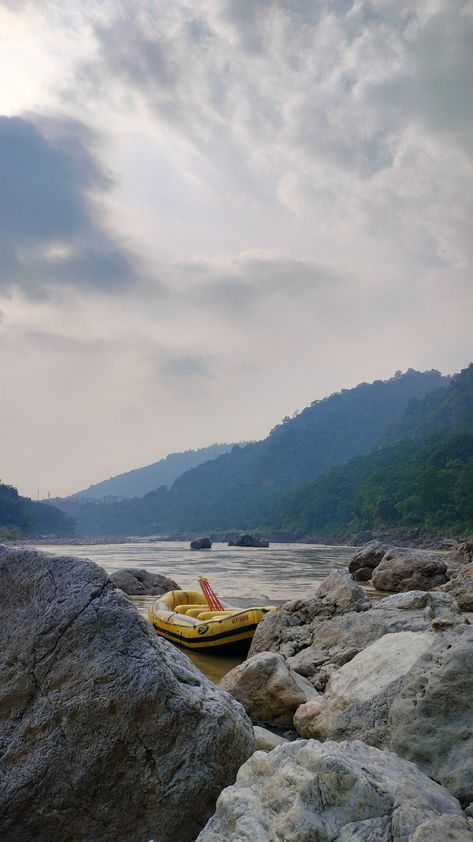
(239, 575)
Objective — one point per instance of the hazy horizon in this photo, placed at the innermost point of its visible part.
(214, 213)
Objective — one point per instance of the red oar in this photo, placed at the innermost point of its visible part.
(212, 599)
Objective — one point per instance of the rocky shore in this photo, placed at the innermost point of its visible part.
(108, 732)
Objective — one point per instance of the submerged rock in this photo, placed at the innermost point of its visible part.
(409, 570)
(136, 581)
(107, 732)
(267, 688)
(334, 792)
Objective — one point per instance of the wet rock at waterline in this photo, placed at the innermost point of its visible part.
(137, 581)
(107, 732)
(268, 689)
(334, 792)
(201, 544)
(366, 559)
(248, 541)
(409, 570)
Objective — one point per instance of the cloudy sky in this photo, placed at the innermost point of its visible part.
(213, 212)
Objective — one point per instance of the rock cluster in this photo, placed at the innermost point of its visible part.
(136, 581)
(248, 541)
(107, 732)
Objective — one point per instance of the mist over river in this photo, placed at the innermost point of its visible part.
(242, 576)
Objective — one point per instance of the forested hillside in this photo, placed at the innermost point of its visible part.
(422, 480)
(20, 516)
(140, 481)
(241, 489)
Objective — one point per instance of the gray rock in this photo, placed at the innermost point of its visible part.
(267, 688)
(201, 544)
(136, 581)
(409, 570)
(367, 676)
(462, 590)
(248, 541)
(366, 559)
(333, 792)
(337, 594)
(107, 732)
(431, 718)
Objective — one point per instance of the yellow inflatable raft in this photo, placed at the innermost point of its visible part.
(200, 621)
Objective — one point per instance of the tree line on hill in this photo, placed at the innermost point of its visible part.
(21, 517)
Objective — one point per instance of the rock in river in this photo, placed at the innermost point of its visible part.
(201, 544)
(334, 792)
(135, 581)
(107, 732)
(248, 541)
(366, 559)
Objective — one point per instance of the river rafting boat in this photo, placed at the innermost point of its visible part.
(201, 621)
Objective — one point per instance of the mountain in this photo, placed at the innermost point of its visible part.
(419, 477)
(140, 481)
(240, 489)
(20, 516)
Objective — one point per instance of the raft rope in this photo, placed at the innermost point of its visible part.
(212, 599)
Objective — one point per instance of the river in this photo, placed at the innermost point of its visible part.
(240, 576)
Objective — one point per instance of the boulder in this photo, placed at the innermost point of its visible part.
(366, 559)
(137, 581)
(201, 544)
(334, 792)
(409, 570)
(107, 732)
(337, 594)
(248, 541)
(461, 555)
(461, 588)
(267, 688)
(366, 676)
(430, 719)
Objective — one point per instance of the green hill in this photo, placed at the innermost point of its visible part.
(20, 516)
(424, 480)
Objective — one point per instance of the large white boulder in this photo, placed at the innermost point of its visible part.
(307, 791)
(367, 675)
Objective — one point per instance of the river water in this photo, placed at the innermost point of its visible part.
(241, 576)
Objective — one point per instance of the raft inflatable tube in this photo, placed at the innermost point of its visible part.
(186, 618)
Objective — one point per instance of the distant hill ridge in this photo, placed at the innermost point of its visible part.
(242, 489)
(139, 481)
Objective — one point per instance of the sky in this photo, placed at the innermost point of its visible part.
(213, 212)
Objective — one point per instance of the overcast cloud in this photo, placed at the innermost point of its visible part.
(203, 202)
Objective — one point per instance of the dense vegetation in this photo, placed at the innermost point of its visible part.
(140, 481)
(244, 488)
(20, 516)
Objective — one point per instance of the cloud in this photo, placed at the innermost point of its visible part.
(186, 374)
(51, 232)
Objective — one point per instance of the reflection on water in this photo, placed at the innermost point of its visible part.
(243, 576)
